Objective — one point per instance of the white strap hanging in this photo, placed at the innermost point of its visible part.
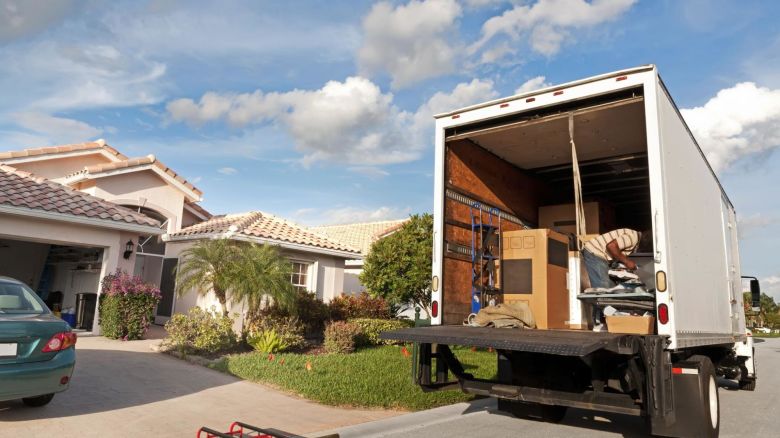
(578, 205)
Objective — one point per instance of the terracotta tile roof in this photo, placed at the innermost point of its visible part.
(360, 235)
(127, 163)
(25, 190)
(263, 226)
(61, 149)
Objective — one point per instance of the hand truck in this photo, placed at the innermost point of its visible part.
(243, 430)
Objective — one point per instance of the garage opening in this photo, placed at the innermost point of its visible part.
(67, 278)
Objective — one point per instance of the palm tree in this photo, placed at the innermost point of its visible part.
(241, 270)
(209, 265)
(264, 274)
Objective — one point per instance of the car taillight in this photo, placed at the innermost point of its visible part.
(435, 309)
(60, 341)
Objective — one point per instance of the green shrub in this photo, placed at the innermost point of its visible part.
(307, 308)
(340, 337)
(359, 306)
(370, 328)
(126, 306)
(267, 341)
(289, 329)
(200, 331)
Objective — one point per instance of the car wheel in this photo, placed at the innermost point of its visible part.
(39, 401)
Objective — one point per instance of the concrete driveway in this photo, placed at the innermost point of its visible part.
(123, 389)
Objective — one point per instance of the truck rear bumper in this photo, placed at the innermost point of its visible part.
(556, 342)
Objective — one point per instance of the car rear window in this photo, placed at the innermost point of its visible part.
(18, 298)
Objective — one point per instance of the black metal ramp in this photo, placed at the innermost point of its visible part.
(558, 342)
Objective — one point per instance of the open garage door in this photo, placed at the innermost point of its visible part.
(67, 278)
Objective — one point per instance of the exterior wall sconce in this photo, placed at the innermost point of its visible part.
(129, 249)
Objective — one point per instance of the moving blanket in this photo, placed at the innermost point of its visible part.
(515, 314)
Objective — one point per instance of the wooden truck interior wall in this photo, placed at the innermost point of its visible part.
(527, 164)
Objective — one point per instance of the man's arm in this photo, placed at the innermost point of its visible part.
(614, 251)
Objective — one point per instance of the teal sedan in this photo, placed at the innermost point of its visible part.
(37, 349)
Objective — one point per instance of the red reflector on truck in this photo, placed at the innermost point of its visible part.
(530, 99)
(663, 313)
(558, 93)
(456, 116)
(676, 370)
(435, 309)
(621, 78)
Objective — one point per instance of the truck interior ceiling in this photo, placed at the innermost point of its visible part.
(520, 167)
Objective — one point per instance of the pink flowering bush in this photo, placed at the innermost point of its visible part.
(126, 306)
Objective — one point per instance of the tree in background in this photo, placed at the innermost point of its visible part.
(398, 267)
(767, 316)
(235, 270)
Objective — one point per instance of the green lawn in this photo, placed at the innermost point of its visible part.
(371, 377)
(766, 335)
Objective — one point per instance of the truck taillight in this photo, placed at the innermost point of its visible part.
(663, 313)
(60, 341)
(435, 309)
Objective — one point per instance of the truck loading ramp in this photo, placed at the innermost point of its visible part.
(557, 342)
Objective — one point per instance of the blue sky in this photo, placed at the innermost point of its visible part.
(321, 111)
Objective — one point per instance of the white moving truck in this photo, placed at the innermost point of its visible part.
(509, 162)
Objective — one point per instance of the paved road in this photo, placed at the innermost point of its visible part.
(123, 389)
(743, 414)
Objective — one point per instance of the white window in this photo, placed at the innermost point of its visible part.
(300, 276)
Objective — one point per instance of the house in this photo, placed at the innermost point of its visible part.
(317, 260)
(360, 236)
(71, 214)
(144, 186)
(57, 239)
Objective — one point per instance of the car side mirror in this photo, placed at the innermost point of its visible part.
(755, 293)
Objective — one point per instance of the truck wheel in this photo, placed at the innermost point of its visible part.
(533, 411)
(37, 402)
(709, 421)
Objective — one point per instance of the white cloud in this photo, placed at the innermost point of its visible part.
(372, 172)
(348, 214)
(771, 286)
(52, 75)
(24, 18)
(738, 121)
(351, 122)
(464, 94)
(410, 42)
(56, 129)
(548, 23)
(532, 84)
(227, 170)
(753, 224)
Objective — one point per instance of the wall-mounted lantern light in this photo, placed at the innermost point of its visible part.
(129, 249)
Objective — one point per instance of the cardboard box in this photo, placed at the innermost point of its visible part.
(599, 217)
(635, 325)
(535, 264)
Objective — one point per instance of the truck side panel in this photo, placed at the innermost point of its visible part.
(698, 272)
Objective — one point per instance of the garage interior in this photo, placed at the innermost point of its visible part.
(67, 278)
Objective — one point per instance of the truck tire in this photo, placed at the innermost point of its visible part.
(709, 408)
(533, 411)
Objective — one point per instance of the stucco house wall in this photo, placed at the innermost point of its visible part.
(325, 280)
(141, 189)
(55, 169)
